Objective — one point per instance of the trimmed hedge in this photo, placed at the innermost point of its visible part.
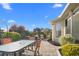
(67, 39)
(70, 50)
(14, 35)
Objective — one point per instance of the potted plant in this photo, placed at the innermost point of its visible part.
(6, 40)
(9, 37)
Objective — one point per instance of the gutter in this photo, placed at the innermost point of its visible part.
(64, 10)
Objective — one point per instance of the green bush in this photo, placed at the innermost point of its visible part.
(14, 35)
(70, 50)
(67, 39)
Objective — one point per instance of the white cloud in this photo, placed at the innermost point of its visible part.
(11, 21)
(6, 6)
(57, 5)
(46, 16)
(33, 25)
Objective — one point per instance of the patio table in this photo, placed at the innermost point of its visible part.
(15, 46)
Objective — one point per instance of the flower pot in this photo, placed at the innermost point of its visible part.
(6, 40)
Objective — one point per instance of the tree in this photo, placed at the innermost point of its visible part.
(46, 32)
(37, 31)
(1, 32)
(20, 29)
(13, 28)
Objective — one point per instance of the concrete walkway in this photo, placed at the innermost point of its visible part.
(46, 49)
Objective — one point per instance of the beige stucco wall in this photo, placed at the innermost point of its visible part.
(71, 28)
(75, 26)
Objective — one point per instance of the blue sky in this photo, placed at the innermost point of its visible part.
(30, 15)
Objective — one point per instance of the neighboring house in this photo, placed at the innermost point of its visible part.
(68, 21)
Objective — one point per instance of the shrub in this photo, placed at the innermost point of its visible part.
(66, 39)
(14, 35)
(70, 50)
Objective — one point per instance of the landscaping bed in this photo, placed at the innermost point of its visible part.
(69, 47)
(8, 37)
(69, 50)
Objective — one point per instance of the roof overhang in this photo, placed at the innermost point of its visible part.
(65, 13)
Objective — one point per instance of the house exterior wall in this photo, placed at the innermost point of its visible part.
(72, 26)
(69, 26)
(66, 26)
(72, 17)
(75, 26)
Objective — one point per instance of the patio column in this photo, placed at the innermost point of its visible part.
(63, 28)
(71, 15)
(53, 32)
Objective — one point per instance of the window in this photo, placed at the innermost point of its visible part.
(66, 22)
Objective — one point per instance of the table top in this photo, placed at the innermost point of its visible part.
(15, 46)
